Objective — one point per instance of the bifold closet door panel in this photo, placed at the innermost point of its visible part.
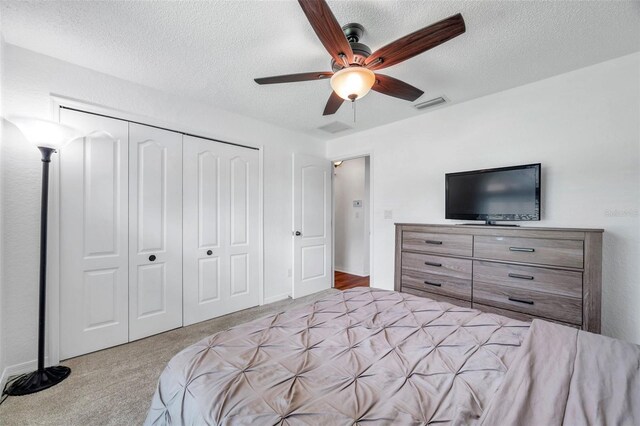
(155, 230)
(221, 245)
(93, 235)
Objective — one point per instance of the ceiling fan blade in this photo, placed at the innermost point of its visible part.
(416, 43)
(291, 78)
(333, 104)
(327, 29)
(396, 88)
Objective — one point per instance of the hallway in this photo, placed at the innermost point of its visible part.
(344, 281)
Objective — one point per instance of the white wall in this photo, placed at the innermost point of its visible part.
(28, 82)
(367, 216)
(583, 126)
(350, 223)
(2, 346)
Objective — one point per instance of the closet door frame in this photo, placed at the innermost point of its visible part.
(52, 332)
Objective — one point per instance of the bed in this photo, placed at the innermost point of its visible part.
(383, 357)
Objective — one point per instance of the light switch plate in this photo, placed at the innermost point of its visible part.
(388, 214)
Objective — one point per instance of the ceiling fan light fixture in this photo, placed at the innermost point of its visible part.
(353, 83)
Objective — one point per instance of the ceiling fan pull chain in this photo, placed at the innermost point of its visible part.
(353, 103)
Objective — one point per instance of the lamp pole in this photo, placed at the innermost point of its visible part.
(44, 210)
(42, 378)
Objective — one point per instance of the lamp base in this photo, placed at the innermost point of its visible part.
(38, 380)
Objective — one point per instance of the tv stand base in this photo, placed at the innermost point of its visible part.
(490, 223)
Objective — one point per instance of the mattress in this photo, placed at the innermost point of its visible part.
(358, 356)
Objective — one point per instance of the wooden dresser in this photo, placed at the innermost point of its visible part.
(522, 273)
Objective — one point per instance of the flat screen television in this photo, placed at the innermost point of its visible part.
(505, 194)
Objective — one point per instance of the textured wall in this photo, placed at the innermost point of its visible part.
(2, 349)
(582, 126)
(29, 80)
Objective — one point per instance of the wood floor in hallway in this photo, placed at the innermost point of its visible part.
(344, 281)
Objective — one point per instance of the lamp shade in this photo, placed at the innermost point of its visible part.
(352, 83)
(45, 133)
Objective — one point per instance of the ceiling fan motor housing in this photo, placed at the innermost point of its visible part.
(353, 32)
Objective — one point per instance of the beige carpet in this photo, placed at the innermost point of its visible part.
(115, 386)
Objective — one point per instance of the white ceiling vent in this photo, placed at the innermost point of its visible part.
(430, 103)
(335, 127)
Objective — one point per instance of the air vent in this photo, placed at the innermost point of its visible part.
(335, 127)
(430, 103)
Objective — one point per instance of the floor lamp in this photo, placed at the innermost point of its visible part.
(48, 136)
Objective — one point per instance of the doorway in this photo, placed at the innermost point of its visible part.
(352, 222)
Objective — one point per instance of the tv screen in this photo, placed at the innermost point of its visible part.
(507, 193)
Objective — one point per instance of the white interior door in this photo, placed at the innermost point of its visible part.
(311, 225)
(155, 230)
(93, 235)
(221, 245)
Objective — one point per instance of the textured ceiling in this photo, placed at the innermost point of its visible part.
(211, 50)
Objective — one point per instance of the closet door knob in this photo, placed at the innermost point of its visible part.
(152, 257)
(298, 233)
(209, 252)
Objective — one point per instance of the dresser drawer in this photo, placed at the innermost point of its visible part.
(567, 253)
(442, 275)
(553, 282)
(437, 297)
(528, 301)
(515, 315)
(454, 244)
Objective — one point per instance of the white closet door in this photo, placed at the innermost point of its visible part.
(94, 236)
(221, 229)
(155, 230)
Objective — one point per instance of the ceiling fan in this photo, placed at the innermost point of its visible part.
(352, 62)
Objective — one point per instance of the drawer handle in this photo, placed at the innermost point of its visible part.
(528, 250)
(433, 264)
(528, 302)
(433, 284)
(438, 243)
(522, 277)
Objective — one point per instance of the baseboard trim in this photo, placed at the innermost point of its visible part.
(345, 271)
(277, 298)
(16, 369)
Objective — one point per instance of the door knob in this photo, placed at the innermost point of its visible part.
(209, 252)
(298, 233)
(152, 257)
